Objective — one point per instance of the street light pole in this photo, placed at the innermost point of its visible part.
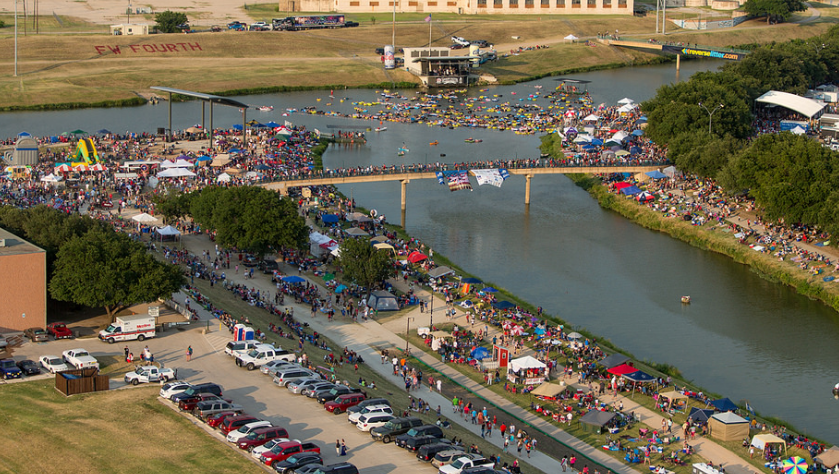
(431, 311)
(407, 333)
(711, 114)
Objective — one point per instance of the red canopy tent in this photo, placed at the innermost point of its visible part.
(621, 185)
(622, 369)
(416, 257)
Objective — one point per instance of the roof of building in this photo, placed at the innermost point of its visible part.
(804, 106)
(217, 99)
(15, 245)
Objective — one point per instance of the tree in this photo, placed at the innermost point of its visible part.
(365, 264)
(250, 218)
(700, 153)
(173, 205)
(773, 9)
(108, 269)
(168, 21)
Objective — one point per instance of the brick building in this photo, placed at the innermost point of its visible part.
(23, 284)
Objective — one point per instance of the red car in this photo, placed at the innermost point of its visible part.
(340, 404)
(260, 436)
(216, 420)
(283, 451)
(232, 423)
(59, 331)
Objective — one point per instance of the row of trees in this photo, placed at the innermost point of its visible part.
(90, 264)
(790, 177)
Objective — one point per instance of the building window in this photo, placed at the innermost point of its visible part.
(545, 3)
(432, 4)
(575, 3)
(621, 3)
(482, 3)
(528, 3)
(591, 3)
(451, 4)
(498, 3)
(355, 4)
(514, 4)
(374, 4)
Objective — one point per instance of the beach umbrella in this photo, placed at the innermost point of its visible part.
(237, 127)
(621, 153)
(625, 101)
(104, 131)
(340, 288)
(204, 158)
(78, 132)
(293, 279)
(795, 465)
(637, 133)
(416, 257)
(272, 124)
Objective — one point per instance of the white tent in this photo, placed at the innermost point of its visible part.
(625, 101)
(526, 362)
(583, 139)
(167, 164)
(175, 173)
(144, 218)
(168, 230)
(181, 163)
(798, 130)
(671, 171)
(619, 136)
(592, 118)
(627, 108)
(224, 177)
(356, 232)
(760, 441)
(51, 178)
(807, 107)
(571, 38)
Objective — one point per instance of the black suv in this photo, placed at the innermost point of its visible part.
(335, 392)
(209, 387)
(410, 439)
(394, 428)
(426, 453)
(268, 266)
(340, 468)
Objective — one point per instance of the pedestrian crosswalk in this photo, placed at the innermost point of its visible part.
(217, 339)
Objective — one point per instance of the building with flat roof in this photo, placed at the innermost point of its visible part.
(23, 284)
(465, 7)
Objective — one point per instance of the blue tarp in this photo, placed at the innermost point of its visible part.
(631, 190)
(329, 218)
(470, 280)
(639, 376)
(656, 174)
(503, 304)
(480, 353)
(204, 158)
(293, 279)
(489, 289)
(724, 404)
(596, 141)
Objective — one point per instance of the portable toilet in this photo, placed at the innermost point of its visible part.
(239, 332)
(248, 334)
(25, 152)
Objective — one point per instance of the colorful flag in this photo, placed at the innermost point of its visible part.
(459, 180)
(428, 18)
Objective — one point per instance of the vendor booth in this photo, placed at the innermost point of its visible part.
(168, 233)
(760, 441)
(596, 421)
(675, 400)
(613, 360)
(501, 354)
(829, 459)
(527, 370)
(728, 427)
(700, 415)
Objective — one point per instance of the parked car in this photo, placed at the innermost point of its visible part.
(234, 348)
(350, 24)
(244, 430)
(37, 334)
(368, 422)
(59, 331)
(425, 430)
(445, 457)
(268, 266)
(466, 461)
(233, 423)
(308, 469)
(149, 373)
(208, 387)
(189, 403)
(370, 409)
(284, 377)
(272, 367)
(235, 24)
(312, 391)
(168, 390)
(28, 367)
(336, 392)
(340, 468)
(214, 421)
(215, 29)
(257, 451)
(394, 428)
(261, 436)
(414, 443)
(80, 359)
(210, 407)
(481, 43)
(427, 452)
(368, 402)
(283, 451)
(294, 463)
(9, 370)
(340, 404)
(298, 386)
(53, 364)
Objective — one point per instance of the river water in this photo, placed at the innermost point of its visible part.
(741, 336)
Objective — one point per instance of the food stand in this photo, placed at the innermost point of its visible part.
(527, 371)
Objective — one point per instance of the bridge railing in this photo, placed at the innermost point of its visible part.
(433, 168)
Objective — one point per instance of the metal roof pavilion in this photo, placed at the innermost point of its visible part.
(212, 99)
(216, 99)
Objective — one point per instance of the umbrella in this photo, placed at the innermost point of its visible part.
(329, 218)
(637, 133)
(328, 276)
(78, 132)
(795, 465)
(340, 288)
(626, 100)
(104, 131)
(272, 124)
(237, 126)
(490, 289)
(204, 158)
(471, 280)
(621, 153)
(416, 257)
(144, 218)
(575, 336)
(293, 279)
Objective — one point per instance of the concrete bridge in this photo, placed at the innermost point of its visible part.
(405, 177)
(695, 51)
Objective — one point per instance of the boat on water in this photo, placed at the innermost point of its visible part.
(473, 140)
(836, 391)
(381, 129)
(434, 143)
(265, 108)
(686, 299)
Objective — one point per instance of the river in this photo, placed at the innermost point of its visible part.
(741, 336)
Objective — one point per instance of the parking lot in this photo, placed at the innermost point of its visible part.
(304, 418)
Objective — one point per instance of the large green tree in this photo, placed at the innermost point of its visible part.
(168, 21)
(774, 9)
(250, 218)
(173, 205)
(790, 177)
(364, 264)
(108, 269)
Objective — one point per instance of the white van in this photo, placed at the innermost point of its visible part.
(370, 410)
(129, 328)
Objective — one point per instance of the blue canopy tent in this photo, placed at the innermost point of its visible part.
(724, 404)
(490, 289)
(596, 141)
(700, 414)
(631, 190)
(263, 167)
(204, 158)
(639, 376)
(480, 353)
(329, 218)
(293, 279)
(613, 360)
(340, 288)
(503, 304)
(237, 126)
(272, 124)
(655, 174)
(637, 133)
(473, 281)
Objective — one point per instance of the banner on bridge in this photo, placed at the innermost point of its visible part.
(703, 53)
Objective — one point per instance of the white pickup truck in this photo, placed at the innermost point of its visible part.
(465, 462)
(80, 359)
(261, 355)
(150, 373)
